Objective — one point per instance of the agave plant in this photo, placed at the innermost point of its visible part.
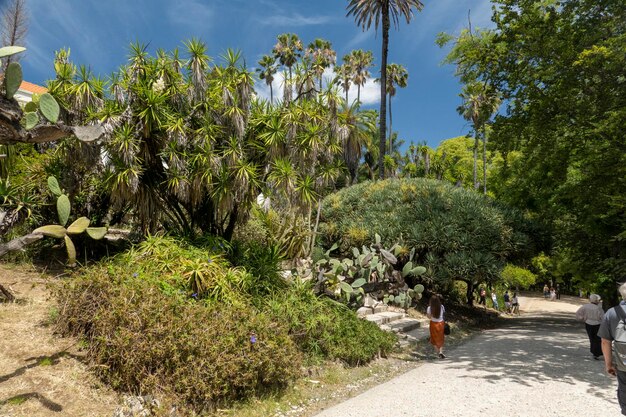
(59, 231)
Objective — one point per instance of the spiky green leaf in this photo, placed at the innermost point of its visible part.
(79, 226)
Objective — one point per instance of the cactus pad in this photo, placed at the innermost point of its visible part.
(79, 226)
(49, 107)
(51, 230)
(63, 209)
(13, 79)
(53, 185)
(30, 120)
(11, 50)
(71, 251)
(96, 233)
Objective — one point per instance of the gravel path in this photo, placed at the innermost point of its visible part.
(537, 365)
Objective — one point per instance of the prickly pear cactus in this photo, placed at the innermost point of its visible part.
(49, 107)
(12, 79)
(79, 226)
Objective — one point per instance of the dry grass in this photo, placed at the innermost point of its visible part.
(41, 374)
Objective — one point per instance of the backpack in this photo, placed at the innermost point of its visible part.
(619, 339)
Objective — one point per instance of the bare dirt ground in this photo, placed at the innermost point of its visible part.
(42, 374)
(537, 364)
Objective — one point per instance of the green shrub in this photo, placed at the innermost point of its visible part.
(517, 277)
(168, 317)
(323, 328)
(146, 339)
(457, 234)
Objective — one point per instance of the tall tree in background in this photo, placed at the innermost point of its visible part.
(398, 76)
(14, 27)
(360, 61)
(267, 72)
(287, 50)
(343, 77)
(560, 68)
(322, 55)
(382, 12)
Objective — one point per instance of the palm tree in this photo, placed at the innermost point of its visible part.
(397, 75)
(323, 56)
(287, 50)
(479, 103)
(382, 12)
(344, 77)
(360, 61)
(354, 128)
(267, 71)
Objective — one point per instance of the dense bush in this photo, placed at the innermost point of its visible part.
(174, 318)
(148, 339)
(457, 234)
(323, 328)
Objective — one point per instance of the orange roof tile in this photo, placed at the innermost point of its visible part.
(33, 88)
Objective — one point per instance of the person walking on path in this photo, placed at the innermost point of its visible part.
(483, 297)
(546, 291)
(507, 301)
(515, 303)
(552, 294)
(435, 313)
(613, 333)
(591, 314)
(494, 300)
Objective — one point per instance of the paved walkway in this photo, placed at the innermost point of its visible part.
(537, 365)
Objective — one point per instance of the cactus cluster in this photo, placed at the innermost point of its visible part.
(371, 270)
(59, 231)
(46, 105)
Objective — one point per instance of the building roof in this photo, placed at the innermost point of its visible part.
(32, 88)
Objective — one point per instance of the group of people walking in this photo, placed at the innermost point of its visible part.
(511, 303)
(551, 293)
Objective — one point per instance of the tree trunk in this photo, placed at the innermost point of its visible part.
(470, 293)
(476, 161)
(271, 94)
(317, 223)
(390, 128)
(358, 94)
(484, 163)
(383, 94)
(426, 164)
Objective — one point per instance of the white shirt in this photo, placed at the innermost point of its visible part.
(440, 318)
(591, 314)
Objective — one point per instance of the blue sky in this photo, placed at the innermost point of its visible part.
(99, 32)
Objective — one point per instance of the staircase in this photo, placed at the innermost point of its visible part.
(409, 330)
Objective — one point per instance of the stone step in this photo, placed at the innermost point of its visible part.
(404, 325)
(413, 336)
(384, 317)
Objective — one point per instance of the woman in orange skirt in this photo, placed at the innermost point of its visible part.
(435, 312)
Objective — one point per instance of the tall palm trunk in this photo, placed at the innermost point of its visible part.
(484, 162)
(426, 164)
(358, 93)
(476, 161)
(383, 94)
(390, 128)
(271, 94)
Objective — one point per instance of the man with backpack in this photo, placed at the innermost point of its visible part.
(613, 334)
